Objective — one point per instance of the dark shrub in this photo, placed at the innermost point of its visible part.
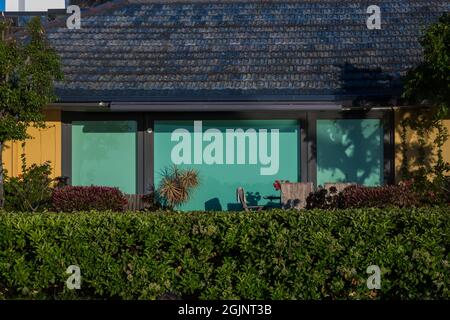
(432, 192)
(401, 196)
(69, 199)
(151, 202)
(30, 191)
(446, 190)
(324, 199)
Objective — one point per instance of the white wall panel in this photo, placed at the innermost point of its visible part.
(34, 5)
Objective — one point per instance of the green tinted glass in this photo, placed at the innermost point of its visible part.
(104, 154)
(350, 150)
(229, 154)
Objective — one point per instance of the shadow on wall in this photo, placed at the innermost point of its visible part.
(213, 205)
(351, 150)
(234, 207)
(369, 85)
(411, 146)
(253, 198)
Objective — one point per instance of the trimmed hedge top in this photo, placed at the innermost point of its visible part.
(264, 255)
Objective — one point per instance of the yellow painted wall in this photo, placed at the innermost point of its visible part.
(412, 142)
(45, 146)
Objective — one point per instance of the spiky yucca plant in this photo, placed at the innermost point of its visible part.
(177, 185)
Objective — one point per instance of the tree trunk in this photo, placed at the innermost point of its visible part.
(2, 189)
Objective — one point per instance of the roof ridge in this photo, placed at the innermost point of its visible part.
(115, 4)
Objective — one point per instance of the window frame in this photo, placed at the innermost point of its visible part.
(387, 121)
(66, 148)
(307, 140)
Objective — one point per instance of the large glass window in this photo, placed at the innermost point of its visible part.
(104, 154)
(229, 154)
(350, 150)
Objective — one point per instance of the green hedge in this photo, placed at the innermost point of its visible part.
(264, 255)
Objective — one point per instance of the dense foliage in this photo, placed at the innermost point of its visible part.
(429, 84)
(70, 199)
(402, 195)
(259, 255)
(28, 68)
(31, 190)
(324, 199)
(431, 79)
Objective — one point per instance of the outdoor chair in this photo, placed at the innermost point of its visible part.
(294, 195)
(240, 195)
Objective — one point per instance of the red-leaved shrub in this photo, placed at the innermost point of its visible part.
(401, 195)
(379, 197)
(69, 199)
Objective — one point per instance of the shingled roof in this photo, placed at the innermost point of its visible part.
(148, 50)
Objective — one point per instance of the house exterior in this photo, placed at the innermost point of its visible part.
(245, 92)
